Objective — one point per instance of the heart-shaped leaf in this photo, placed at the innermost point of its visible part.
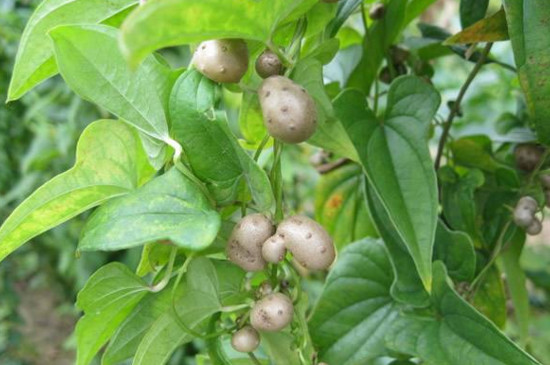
(213, 151)
(407, 286)
(109, 162)
(395, 156)
(107, 299)
(35, 60)
(168, 207)
(92, 65)
(453, 336)
(355, 309)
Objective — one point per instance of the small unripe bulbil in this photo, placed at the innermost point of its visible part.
(247, 339)
(272, 313)
(288, 110)
(528, 156)
(273, 250)
(308, 241)
(222, 60)
(534, 228)
(244, 247)
(377, 11)
(268, 64)
(545, 181)
(524, 212)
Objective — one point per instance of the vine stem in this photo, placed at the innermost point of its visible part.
(254, 359)
(456, 107)
(162, 284)
(277, 180)
(494, 256)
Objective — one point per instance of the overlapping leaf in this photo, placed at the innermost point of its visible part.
(213, 151)
(458, 335)
(35, 60)
(350, 329)
(107, 299)
(109, 162)
(394, 154)
(91, 64)
(170, 207)
(340, 205)
(159, 24)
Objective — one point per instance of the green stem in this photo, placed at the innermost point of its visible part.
(261, 147)
(456, 107)
(496, 252)
(536, 170)
(187, 173)
(254, 359)
(179, 320)
(162, 284)
(213, 345)
(277, 180)
(235, 308)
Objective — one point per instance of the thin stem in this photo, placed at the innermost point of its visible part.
(376, 96)
(261, 147)
(187, 173)
(494, 256)
(234, 308)
(536, 170)
(162, 284)
(456, 107)
(254, 359)
(277, 180)
(179, 320)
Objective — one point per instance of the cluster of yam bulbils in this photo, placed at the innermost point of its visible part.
(290, 116)
(528, 158)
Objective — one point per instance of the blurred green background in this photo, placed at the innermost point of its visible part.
(39, 282)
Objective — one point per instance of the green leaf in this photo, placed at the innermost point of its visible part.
(382, 34)
(126, 339)
(476, 152)
(251, 121)
(166, 334)
(516, 283)
(91, 64)
(343, 12)
(107, 299)
(472, 11)
(109, 162)
(407, 286)
(355, 309)
(415, 8)
(490, 298)
(168, 207)
(159, 24)
(202, 276)
(213, 151)
(527, 22)
(456, 250)
(457, 198)
(153, 255)
(394, 153)
(230, 278)
(330, 133)
(279, 347)
(308, 72)
(458, 335)
(490, 29)
(35, 61)
(340, 205)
